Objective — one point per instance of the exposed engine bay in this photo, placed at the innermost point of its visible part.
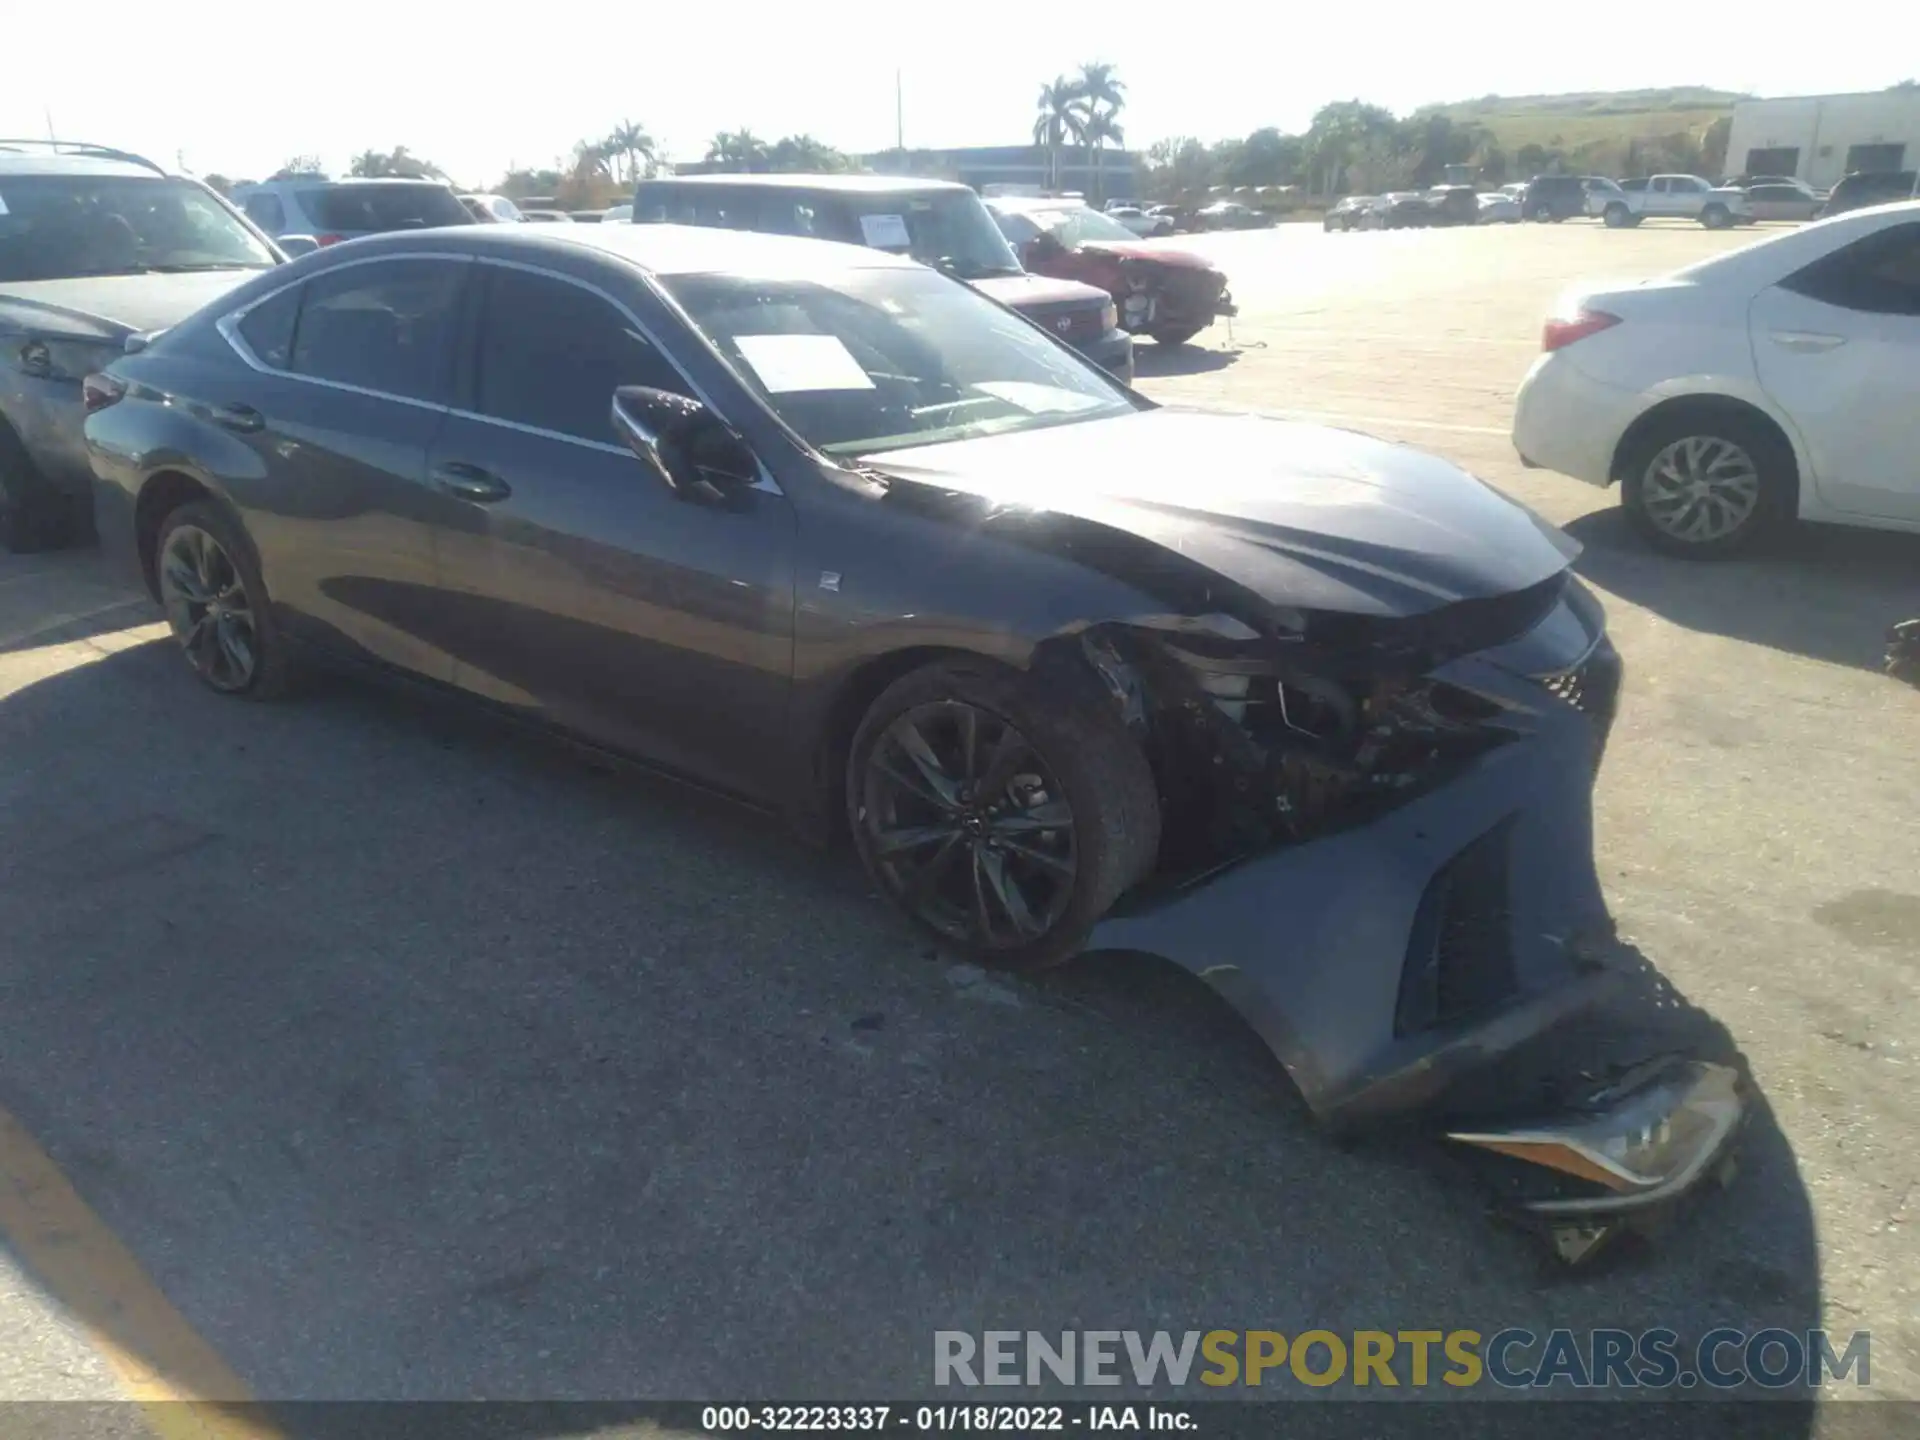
(1263, 740)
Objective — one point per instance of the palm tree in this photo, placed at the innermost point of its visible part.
(1062, 116)
(633, 144)
(590, 159)
(1102, 127)
(370, 165)
(1104, 96)
(737, 150)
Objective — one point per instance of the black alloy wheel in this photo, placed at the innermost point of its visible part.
(1003, 824)
(969, 825)
(215, 604)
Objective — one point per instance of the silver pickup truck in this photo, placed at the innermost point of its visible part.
(1674, 197)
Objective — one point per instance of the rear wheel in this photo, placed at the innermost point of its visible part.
(1175, 335)
(1540, 214)
(1617, 216)
(1708, 484)
(216, 604)
(1002, 821)
(1716, 217)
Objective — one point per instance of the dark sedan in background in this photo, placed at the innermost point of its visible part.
(96, 246)
(1312, 715)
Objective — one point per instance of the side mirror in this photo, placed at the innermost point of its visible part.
(687, 447)
(294, 246)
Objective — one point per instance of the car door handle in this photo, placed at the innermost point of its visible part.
(1807, 342)
(470, 482)
(243, 418)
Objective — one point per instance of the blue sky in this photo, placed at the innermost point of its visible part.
(237, 89)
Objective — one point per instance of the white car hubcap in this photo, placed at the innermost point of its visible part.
(1700, 489)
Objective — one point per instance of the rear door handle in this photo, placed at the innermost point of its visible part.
(470, 482)
(243, 418)
(1807, 342)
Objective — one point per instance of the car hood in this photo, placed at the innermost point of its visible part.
(1020, 291)
(1156, 252)
(108, 308)
(1301, 515)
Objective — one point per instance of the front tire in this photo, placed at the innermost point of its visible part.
(1709, 484)
(1617, 216)
(1002, 820)
(216, 604)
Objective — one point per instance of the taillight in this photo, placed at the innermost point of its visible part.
(328, 239)
(1563, 330)
(98, 391)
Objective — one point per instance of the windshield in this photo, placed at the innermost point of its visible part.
(1075, 225)
(883, 359)
(57, 227)
(383, 205)
(949, 230)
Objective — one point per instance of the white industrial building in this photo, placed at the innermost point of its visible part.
(1820, 138)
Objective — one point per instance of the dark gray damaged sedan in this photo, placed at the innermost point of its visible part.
(1314, 716)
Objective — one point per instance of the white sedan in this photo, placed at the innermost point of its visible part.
(1498, 208)
(1777, 381)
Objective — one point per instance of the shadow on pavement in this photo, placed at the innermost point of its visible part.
(1152, 360)
(1821, 591)
(418, 1061)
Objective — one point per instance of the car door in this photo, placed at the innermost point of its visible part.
(1837, 345)
(346, 385)
(581, 590)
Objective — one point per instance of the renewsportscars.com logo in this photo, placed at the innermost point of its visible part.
(1515, 1359)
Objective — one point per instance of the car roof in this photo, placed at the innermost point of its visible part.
(13, 162)
(1765, 262)
(1036, 202)
(322, 181)
(657, 249)
(851, 184)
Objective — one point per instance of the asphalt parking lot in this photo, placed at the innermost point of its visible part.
(413, 1059)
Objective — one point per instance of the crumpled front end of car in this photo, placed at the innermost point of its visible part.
(1379, 848)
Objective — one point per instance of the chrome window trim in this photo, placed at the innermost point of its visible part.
(229, 327)
(765, 482)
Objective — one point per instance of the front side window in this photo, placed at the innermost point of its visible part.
(59, 227)
(551, 354)
(386, 326)
(267, 212)
(1879, 274)
(1075, 225)
(882, 359)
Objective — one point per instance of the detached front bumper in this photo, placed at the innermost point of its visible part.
(1386, 964)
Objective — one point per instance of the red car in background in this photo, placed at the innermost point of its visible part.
(1162, 290)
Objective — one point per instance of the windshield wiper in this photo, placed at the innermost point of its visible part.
(195, 269)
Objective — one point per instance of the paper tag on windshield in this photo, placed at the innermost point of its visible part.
(885, 232)
(3, 204)
(786, 363)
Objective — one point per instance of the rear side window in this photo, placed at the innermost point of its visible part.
(59, 227)
(386, 327)
(551, 354)
(268, 328)
(267, 212)
(384, 205)
(1879, 274)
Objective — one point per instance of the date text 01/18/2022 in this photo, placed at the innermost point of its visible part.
(939, 1419)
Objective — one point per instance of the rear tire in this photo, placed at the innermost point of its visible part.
(217, 605)
(1716, 217)
(1617, 216)
(1004, 821)
(1707, 484)
(1178, 336)
(1541, 215)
